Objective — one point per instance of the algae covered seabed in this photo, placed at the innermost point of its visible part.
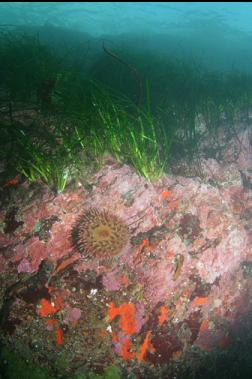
(125, 235)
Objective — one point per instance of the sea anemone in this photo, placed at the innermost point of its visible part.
(99, 235)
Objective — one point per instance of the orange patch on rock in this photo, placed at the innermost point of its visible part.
(126, 353)
(53, 323)
(12, 182)
(47, 308)
(127, 323)
(58, 301)
(146, 346)
(163, 315)
(165, 194)
(199, 301)
(127, 312)
(59, 336)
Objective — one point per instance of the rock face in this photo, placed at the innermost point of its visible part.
(184, 278)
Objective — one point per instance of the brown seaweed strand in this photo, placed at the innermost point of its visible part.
(132, 69)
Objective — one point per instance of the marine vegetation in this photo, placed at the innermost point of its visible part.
(73, 117)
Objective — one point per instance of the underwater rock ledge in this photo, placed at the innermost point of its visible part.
(183, 279)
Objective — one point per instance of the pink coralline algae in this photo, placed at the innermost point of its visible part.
(111, 281)
(24, 266)
(72, 315)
